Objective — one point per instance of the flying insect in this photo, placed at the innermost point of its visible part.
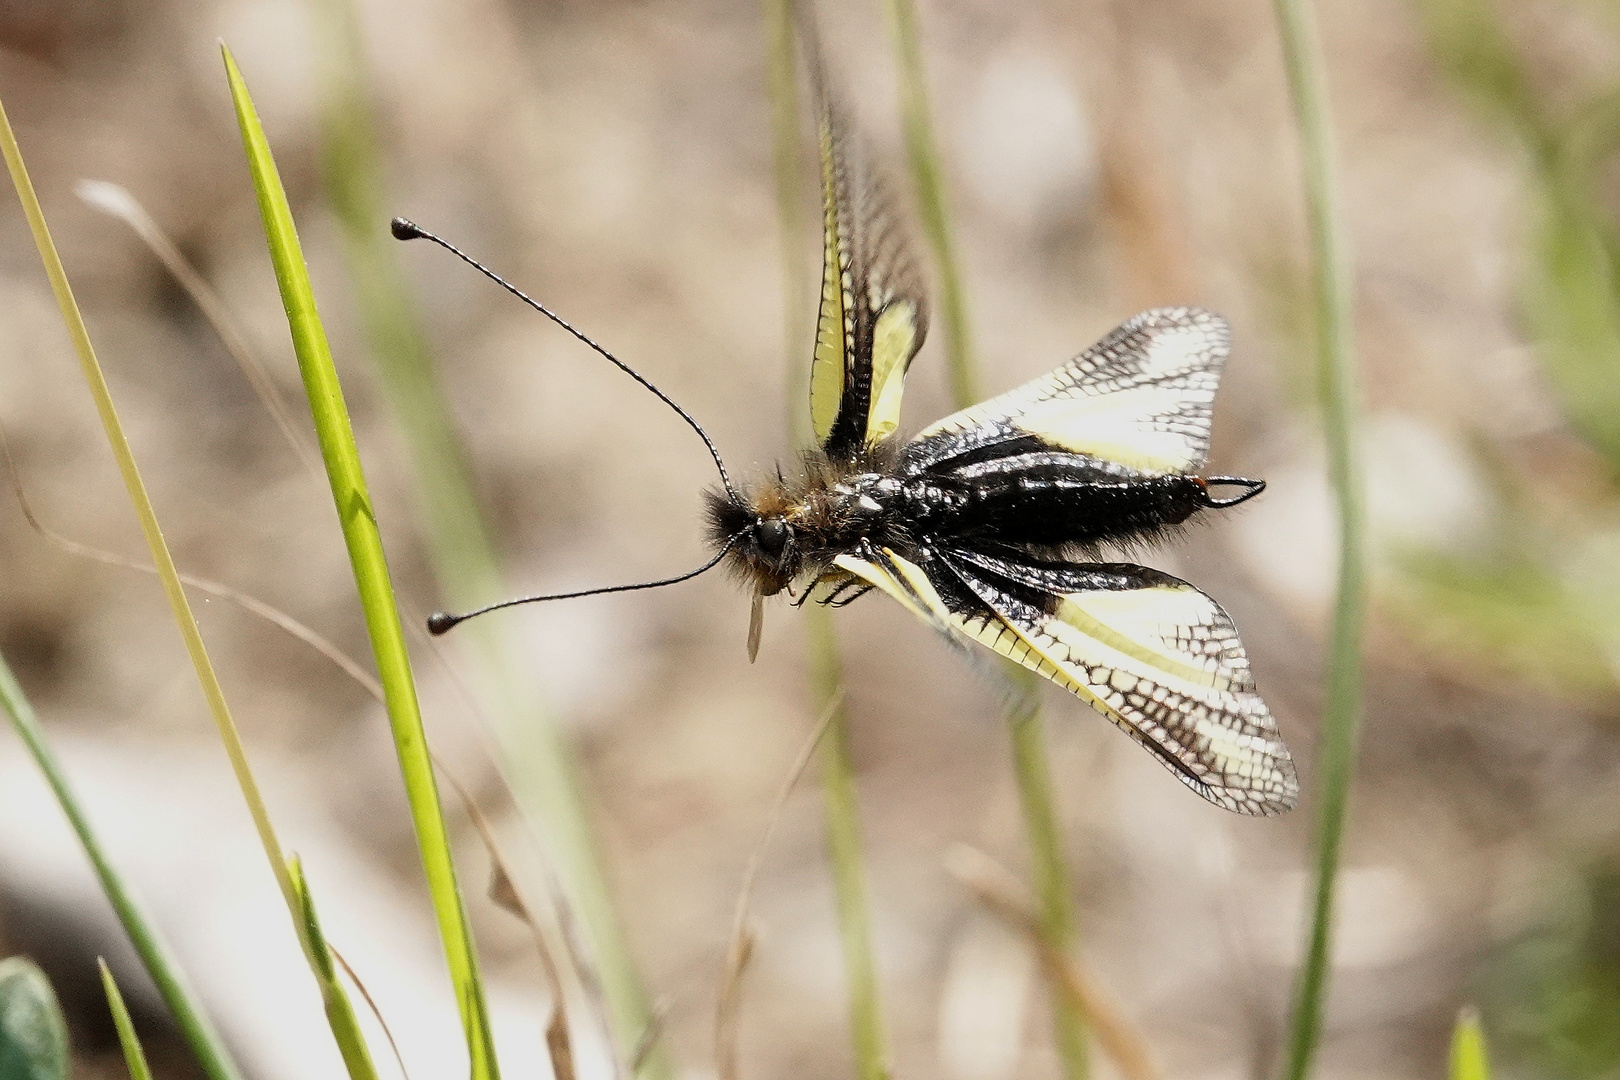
(992, 524)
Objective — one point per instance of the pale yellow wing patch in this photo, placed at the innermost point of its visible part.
(873, 315)
(1141, 398)
(894, 342)
(908, 584)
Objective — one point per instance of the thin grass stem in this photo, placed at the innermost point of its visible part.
(782, 94)
(741, 949)
(356, 1056)
(1025, 724)
(966, 381)
(844, 853)
(364, 541)
(340, 1015)
(1336, 382)
(117, 201)
(144, 512)
(1000, 891)
(463, 557)
(536, 759)
(188, 1013)
(1043, 833)
(376, 1013)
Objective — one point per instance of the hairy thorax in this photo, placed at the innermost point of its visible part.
(791, 527)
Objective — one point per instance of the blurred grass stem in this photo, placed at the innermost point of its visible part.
(844, 852)
(1000, 891)
(1336, 381)
(966, 384)
(1468, 1059)
(1024, 722)
(112, 199)
(842, 811)
(1044, 836)
(782, 91)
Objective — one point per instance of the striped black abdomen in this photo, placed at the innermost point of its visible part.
(1048, 504)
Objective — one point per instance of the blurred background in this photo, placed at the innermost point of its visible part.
(615, 159)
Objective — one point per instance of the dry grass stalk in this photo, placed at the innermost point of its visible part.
(741, 949)
(1001, 893)
(371, 1004)
(117, 201)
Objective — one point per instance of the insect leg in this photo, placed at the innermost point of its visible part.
(832, 598)
(837, 598)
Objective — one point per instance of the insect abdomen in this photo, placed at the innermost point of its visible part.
(1044, 508)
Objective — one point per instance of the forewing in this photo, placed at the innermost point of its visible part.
(873, 312)
(1138, 402)
(1152, 653)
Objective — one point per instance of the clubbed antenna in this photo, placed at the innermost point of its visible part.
(404, 229)
(442, 622)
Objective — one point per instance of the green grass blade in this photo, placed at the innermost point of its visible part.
(340, 1015)
(134, 1056)
(33, 1034)
(162, 560)
(1468, 1060)
(1336, 380)
(1025, 724)
(536, 758)
(364, 542)
(160, 964)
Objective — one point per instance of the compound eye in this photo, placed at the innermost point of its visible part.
(773, 536)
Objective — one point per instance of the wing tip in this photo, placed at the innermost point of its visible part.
(1279, 796)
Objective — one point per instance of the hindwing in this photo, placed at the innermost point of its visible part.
(1137, 403)
(1149, 651)
(873, 313)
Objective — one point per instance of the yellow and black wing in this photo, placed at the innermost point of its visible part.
(1136, 404)
(873, 312)
(1147, 650)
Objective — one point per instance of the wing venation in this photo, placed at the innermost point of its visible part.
(1152, 653)
(1139, 401)
(873, 315)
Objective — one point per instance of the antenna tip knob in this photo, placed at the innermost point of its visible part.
(404, 229)
(441, 622)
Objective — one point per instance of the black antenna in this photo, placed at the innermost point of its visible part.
(441, 622)
(404, 229)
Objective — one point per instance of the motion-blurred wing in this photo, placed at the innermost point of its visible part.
(873, 313)
(1153, 654)
(1137, 403)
